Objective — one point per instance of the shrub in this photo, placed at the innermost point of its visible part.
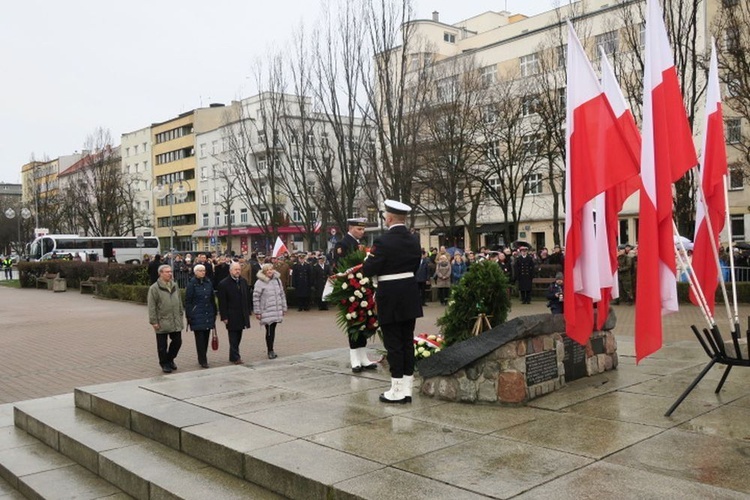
(74, 272)
(483, 289)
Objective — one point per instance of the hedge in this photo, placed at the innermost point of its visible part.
(74, 272)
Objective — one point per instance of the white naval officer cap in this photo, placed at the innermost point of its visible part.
(396, 207)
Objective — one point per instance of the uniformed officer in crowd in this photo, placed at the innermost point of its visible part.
(525, 269)
(350, 243)
(394, 259)
(625, 274)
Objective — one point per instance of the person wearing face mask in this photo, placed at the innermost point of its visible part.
(234, 309)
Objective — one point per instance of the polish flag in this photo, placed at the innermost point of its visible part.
(610, 202)
(712, 173)
(597, 158)
(279, 248)
(667, 153)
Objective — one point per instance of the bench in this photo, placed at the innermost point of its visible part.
(539, 286)
(90, 285)
(46, 280)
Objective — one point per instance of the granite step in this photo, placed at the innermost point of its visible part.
(31, 469)
(84, 445)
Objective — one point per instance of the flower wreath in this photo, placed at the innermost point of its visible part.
(354, 294)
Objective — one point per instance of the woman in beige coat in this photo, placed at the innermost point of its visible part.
(269, 303)
(443, 277)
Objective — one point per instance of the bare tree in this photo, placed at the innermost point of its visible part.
(732, 21)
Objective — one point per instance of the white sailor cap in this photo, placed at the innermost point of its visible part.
(357, 222)
(396, 207)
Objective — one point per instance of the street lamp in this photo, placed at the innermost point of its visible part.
(25, 215)
(178, 194)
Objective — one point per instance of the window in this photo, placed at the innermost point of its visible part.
(489, 114)
(736, 178)
(127, 152)
(449, 37)
(145, 165)
(733, 85)
(532, 184)
(204, 197)
(296, 215)
(324, 139)
(562, 97)
(531, 144)
(738, 228)
(262, 164)
(144, 147)
(609, 42)
(489, 74)
(732, 38)
(642, 35)
(494, 183)
(263, 214)
(243, 216)
(231, 216)
(734, 130)
(202, 149)
(493, 150)
(135, 149)
(529, 65)
(530, 105)
(446, 89)
(135, 168)
(730, 3)
(217, 218)
(214, 147)
(204, 173)
(204, 219)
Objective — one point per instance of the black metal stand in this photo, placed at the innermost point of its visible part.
(713, 344)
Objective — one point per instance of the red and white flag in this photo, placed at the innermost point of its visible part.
(279, 248)
(610, 202)
(712, 173)
(667, 153)
(597, 158)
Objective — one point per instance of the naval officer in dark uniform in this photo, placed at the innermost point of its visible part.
(350, 243)
(394, 259)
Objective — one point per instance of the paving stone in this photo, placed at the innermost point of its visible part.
(482, 419)
(192, 387)
(162, 422)
(392, 439)
(24, 460)
(640, 409)
(728, 421)
(692, 456)
(393, 483)
(603, 480)
(116, 405)
(578, 434)
(239, 402)
(303, 470)
(495, 467)
(7, 492)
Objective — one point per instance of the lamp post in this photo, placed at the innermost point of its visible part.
(25, 215)
(167, 189)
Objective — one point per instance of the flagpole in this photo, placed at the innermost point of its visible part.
(692, 279)
(733, 320)
(731, 255)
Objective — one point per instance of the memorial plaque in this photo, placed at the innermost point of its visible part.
(597, 345)
(541, 367)
(574, 360)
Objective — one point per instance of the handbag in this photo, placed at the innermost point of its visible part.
(214, 340)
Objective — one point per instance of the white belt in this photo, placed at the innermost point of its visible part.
(397, 276)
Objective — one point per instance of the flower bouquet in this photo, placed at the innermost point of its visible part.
(426, 345)
(354, 294)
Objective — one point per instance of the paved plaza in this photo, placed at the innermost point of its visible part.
(600, 437)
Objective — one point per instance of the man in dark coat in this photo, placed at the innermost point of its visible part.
(302, 283)
(395, 259)
(234, 309)
(524, 274)
(350, 243)
(320, 273)
(153, 269)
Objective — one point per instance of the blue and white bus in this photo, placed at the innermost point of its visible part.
(125, 249)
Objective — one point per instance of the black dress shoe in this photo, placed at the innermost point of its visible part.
(166, 368)
(172, 365)
(204, 365)
(272, 355)
(356, 369)
(401, 401)
(371, 366)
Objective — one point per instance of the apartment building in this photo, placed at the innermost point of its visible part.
(135, 148)
(507, 46)
(173, 160)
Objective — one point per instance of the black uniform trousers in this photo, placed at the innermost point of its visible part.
(167, 354)
(398, 339)
(360, 342)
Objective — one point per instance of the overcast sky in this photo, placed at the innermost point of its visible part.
(71, 66)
